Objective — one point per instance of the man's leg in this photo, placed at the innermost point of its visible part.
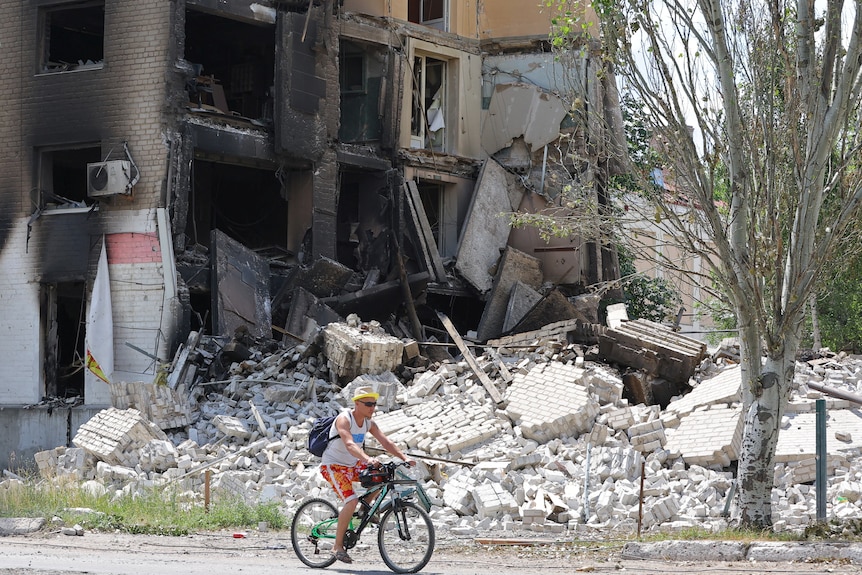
(341, 478)
(343, 522)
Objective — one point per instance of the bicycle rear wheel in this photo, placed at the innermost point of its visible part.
(406, 537)
(312, 532)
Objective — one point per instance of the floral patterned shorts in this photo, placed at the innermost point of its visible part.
(342, 478)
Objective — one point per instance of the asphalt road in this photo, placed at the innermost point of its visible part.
(270, 553)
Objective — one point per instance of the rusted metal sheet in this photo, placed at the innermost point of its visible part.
(240, 292)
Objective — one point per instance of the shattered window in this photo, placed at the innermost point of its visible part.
(62, 175)
(73, 37)
(429, 106)
(428, 12)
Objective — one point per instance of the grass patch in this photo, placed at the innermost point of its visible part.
(152, 511)
(744, 535)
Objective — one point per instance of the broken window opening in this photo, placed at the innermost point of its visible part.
(234, 65)
(61, 176)
(432, 202)
(433, 13)
(352, 70)
(73, 37)
(64, 330)
(362, 75)
(445, 209)
(427, 124)
(363, 239)
(244, 202)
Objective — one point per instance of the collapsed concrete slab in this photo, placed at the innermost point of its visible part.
(116, 436)
(521, 300)
(551, 401)
(553, 307)
(486, 230)
(653, 348)
(515, 268)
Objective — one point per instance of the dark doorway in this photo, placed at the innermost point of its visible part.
(65, 329)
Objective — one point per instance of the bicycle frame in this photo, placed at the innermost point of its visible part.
(405, 534)
(325, 529)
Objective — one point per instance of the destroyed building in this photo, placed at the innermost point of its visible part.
(271, 164)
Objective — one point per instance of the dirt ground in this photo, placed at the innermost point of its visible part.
(51, 553)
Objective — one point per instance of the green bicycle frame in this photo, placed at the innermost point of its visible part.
(326, 528)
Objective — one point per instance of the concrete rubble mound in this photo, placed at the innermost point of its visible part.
(566, 449)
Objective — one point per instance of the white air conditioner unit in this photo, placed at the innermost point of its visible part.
(108, 178)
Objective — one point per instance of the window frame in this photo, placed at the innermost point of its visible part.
(353, 57)
(42, 178)
(43, 52)
(441, 22)
(419, 120)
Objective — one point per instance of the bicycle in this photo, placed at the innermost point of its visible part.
(405, 534)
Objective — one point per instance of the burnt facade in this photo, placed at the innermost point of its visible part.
(251, 163)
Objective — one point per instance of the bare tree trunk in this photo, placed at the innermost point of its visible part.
(815, 322)
(768, 394)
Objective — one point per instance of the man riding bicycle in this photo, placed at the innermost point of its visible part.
(343, 460)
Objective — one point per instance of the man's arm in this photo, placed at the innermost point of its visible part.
(387, 443)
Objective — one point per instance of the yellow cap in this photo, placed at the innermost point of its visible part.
(364, 392)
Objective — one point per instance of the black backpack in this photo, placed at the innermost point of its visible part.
(319, 436)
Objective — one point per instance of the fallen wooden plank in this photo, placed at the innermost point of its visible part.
(426, 237)
(470, 359)
(180, 365)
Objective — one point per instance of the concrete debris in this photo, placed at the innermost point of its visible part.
(20, 526)
(354, 350)
(653, 348)
(74, 530)
(117, 436)
(567, 448)
(159, 404)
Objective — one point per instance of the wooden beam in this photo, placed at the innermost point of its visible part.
(423, 227)
(471, 359)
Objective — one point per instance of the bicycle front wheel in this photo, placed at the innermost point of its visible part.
(312, 532)
(406, 537)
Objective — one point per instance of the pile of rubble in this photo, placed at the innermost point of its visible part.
(533, 433)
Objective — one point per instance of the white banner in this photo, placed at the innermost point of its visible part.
(100, 326)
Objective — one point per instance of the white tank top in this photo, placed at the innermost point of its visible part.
(336, 452)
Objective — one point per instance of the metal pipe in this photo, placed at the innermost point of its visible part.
(839, 393)
(587, 485)
(820, 459)
(207, 478)
(641, 498)
(544, 170)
